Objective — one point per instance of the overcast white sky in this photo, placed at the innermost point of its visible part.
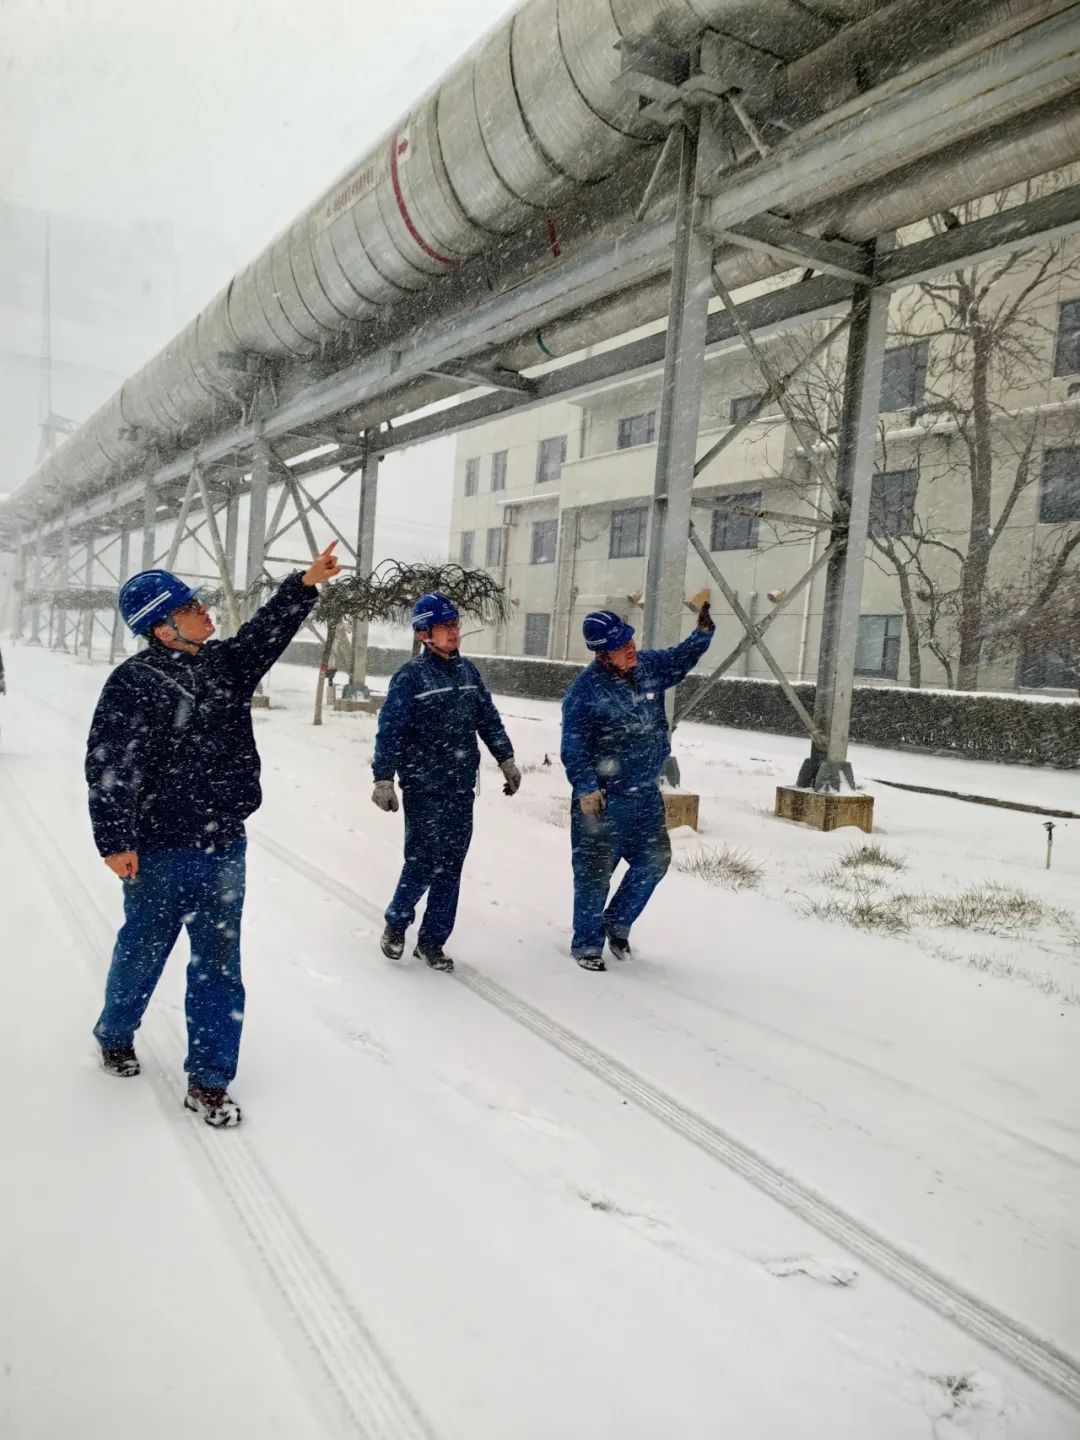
(225, 116)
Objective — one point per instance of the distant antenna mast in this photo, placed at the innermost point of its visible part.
(53, 426)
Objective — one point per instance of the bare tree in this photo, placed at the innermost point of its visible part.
(981, 343)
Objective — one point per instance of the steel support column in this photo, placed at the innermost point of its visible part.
(149, 534)
(827, 767)
(232, 531)
(257, 494)
(39, 572)
(680, 407)
(86, 629)
(357, 688)
(123, 570)
(63, 568)
(20, 585)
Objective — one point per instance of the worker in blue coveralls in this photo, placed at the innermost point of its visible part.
(436, 705)
(173, 774)
(614, 743)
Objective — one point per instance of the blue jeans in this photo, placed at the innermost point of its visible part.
(204, 892)
(631, 828)
(438, 833)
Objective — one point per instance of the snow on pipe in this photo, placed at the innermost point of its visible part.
(530, 115)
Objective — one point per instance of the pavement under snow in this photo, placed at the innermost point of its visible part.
(775, 1177)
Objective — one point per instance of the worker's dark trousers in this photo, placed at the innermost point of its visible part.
(438, 832)
(631, 828)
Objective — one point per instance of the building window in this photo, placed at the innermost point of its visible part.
(892, 503)
(1067, 354)
(628, 531)
(496, 540)
(742, 405)
(877, 650)
(498, 470)
(537, 633)
(545, 536)
(1059, 496)
(903, 377)
(472, 476)
(466, 551)
(549, 459)
(637, 430)
(732, 531)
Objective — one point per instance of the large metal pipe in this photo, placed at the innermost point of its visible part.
(527, 119)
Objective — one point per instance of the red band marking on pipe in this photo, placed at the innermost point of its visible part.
(403, 210)
(553, 237)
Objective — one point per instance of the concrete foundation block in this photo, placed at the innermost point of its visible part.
(825, 810)
(680, 808)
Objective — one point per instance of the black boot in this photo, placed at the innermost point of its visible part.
(215, 1105)
(120, 1060)
(619, 945)
(435, 956)
(592, 960)
(392, 943)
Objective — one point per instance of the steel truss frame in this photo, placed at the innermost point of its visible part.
(846, 281)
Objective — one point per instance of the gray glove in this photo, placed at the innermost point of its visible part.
(384, 795)
(593, 804)
(513, 777)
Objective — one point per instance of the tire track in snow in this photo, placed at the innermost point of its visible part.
(372, 1396)
(1030, 1352)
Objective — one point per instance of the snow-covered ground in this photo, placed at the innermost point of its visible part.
(730, 1188)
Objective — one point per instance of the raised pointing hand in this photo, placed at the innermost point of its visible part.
(324, 567)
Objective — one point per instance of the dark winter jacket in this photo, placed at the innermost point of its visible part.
(171, 759)
(434, 711)
(614, 730)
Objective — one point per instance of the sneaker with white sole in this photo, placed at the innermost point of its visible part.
(120, 1060)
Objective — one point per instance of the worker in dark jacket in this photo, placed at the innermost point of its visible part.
(173, 774)
(615, 740)
(436, 706)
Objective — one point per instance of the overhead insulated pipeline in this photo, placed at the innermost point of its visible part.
(530, 118)
(530, 115)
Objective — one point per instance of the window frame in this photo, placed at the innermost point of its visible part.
(467, 543)
(496, 532)
(534, 558)
(498, 473)
(625, 438)
(543, 452)
(890, 646)
(1067, 347)
(919, 370)
(618, 520)
(904, 510)
(1049, 493)
(723, 514)
(472, 476)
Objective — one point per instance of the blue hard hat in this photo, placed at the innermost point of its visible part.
(432, 610)
(604, 630)
(150, 597)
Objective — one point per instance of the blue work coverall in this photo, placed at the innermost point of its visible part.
(173, 774)
(434, 710)
(615, 739)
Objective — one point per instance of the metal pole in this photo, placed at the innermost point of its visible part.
(365, 555)
(182, 518)
(63, 566)
(149, 534)
(232, 531)
(123, 570)
(20, 586)
(680, 408)
(39, 570)
(827, 767)
(231, 607)
(87, 636)
(256, 536)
